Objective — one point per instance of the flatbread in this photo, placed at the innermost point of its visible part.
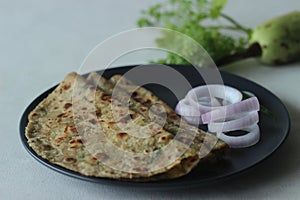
(55, 133)
(147, 98)
(142, 100)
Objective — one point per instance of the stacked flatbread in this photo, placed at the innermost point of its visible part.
(114, 129)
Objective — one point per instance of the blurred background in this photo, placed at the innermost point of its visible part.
(42, 41)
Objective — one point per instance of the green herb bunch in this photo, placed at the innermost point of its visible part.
(192, 17)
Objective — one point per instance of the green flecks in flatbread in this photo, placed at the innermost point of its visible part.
(55, 133)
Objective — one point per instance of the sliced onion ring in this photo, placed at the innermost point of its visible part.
(193, 120)
(239, 123)
(222, 109)
(231, 110)
(184, 108)
(247, 140)
(227, 94)
(191, 115)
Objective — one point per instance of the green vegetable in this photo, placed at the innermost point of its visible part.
(189, 17)
(275, 41)
(279, 39)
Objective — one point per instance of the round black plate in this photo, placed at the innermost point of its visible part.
(274, 130)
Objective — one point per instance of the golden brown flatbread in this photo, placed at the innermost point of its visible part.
(73, 134)
(173, 121)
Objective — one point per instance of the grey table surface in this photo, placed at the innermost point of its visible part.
(41, 41)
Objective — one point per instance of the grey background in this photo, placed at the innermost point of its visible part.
(41, 41)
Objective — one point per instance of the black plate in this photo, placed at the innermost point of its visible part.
(274, 130)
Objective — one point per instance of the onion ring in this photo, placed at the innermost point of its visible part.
(231, 110)
(222, 109)
(247, 140)
(227, 94)
(235, 124)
